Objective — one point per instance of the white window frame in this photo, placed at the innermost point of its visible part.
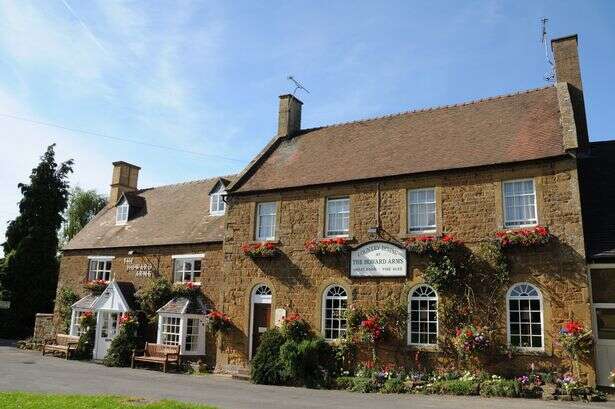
(325, 297)
(75, 317)
(96, 271)
(512, 224)
(426, 228)
(122, 213)
(345, 215)
(413, 297)
(539, 297)
(217, 205)
(273, 215)
(192, 258)
(183, 332)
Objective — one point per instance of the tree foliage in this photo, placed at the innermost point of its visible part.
(29, 274)
(83, 205)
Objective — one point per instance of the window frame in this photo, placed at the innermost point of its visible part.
(325, 297)
(183, 332)
(274, 216)
(216, 199)
(540, 299)
(75, 327)
(190, 258)
(105, 260)
(421, 229)
(336, 199)
(122, 209)
(412, 297)
(505, 222)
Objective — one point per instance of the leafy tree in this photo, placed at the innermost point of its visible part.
(83, 205)
(30, 271)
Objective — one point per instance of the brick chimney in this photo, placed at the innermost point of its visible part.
(289, 116)
(125, 179)
(568, 70)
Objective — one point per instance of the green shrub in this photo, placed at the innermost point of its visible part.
(64, 301)
(363, 385)
(316, 362)
(266, 368)
(154, 296)
(344, 382)
(505, 388)
(85, 345)
(122, 346)
(394, 385)
(454, 387)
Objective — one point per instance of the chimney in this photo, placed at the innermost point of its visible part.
(289, 117)
(566, 55)
(568, 70)
(125, 178)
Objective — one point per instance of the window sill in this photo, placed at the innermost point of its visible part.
(424, 348)
(273, 241)
(410, 235)
(348, 237)
(530, 352)
(195, 283)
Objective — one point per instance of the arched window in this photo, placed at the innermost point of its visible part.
(525, 320)
(423, 316)
(334, 307)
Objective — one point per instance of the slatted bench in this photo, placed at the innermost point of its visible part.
(157, 354)
(61, 343)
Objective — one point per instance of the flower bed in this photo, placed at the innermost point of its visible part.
(260, 250)
(96, 287)
(218, 322)
(432, 244)
(534, 236)
(337, 245)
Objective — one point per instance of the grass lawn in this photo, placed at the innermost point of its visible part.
(22, 400)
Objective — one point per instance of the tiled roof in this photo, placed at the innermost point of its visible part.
(173, 214)
(183, 305)
(598, 200)
(505, 129)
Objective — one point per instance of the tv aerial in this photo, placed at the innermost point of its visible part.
(298, 85)
(549, 75)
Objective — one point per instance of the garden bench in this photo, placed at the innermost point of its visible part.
(157, 354)
(62, 343)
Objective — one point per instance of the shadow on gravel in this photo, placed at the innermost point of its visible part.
(7, 343)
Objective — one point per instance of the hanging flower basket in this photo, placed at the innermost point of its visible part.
(469, 340)
(337, 245)
(260, 250)
(96, 287)
(218, 322)
(127, 319)
(534, 236)
(575, 340)
(432, 244)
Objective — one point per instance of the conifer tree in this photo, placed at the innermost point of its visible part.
(28, 277)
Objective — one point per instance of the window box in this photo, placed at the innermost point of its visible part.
(96, 287)
(260, 250)
(189, 290)
(337, 245)
(432, 244)
(529, 237)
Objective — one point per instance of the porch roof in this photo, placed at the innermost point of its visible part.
(184, 305)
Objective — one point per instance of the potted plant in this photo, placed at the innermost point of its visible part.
(260, 250)
(333, 245)
(218, 322)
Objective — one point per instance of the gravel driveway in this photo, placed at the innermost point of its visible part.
(29, 371)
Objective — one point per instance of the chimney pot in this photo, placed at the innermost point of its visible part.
(125, 179)
(289, 116)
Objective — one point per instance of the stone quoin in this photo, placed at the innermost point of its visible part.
(468, 170)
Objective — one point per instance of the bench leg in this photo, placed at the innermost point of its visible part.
(164, 367)
(132, 363)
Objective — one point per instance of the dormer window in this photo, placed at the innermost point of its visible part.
(216, 200)
(121, 217)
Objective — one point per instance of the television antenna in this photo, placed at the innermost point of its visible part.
(298, 85)
(549, 75)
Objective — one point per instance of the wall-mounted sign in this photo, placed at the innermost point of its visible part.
(378, 259)
(138, 269)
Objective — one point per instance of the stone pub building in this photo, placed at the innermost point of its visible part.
(468, 170)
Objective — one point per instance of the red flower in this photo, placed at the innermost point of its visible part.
(573, 327)
(88, 314)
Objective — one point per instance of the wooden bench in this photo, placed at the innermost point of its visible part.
(157, 354)
(62, 343)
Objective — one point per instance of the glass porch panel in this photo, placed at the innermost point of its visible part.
(605, 321)
(603, 285)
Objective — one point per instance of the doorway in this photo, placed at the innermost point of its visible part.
(260, 315)
(107, 324)
(603, 316)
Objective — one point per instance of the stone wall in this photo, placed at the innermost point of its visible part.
(469, 206)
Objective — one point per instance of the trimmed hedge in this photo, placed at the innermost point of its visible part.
(505, 388)
(455, 387)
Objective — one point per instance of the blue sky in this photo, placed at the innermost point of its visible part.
(205, 76)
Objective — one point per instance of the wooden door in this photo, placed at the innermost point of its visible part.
(260, 323)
